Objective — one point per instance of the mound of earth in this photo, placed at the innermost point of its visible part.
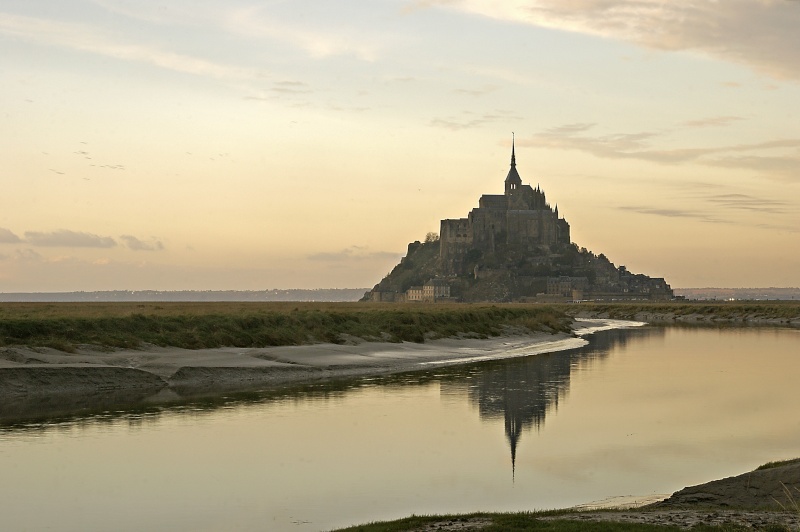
(773, 488)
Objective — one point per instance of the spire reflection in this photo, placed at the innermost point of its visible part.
(522, 391)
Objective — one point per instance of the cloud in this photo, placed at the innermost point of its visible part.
(477, 92)
(66, 238)
(90, 39)
(672, 213)
(760, 34)
(749, 203)
(469, 120)
(640, 146)
(319, 43)
(726, 208)
(253, 21)
(354, 253)
(290, 87)
(135, 244)
(7, 237)
(28, 255)
(713, 121)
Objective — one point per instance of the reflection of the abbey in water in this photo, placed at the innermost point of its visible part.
(519, 390)
(523, 390)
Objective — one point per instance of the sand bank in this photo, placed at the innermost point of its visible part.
(32, 379)
(761, 499)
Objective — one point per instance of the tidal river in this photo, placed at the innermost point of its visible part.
(636, 412)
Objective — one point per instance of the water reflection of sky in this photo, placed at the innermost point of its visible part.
(635, 412)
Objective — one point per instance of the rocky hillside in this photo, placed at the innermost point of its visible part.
(555, 272)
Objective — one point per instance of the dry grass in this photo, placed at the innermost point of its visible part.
(718, 310)
(201, 325)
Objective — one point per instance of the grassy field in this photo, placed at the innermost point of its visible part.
(516, 522)
(200, 325)
(718, 310)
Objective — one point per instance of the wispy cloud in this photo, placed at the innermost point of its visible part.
(290, 87)
(66, 238)
(27, 255)
(90, 39)
(673, 213)
(319, 43)
(468, 120)
(761, 34)
(759, 156)
(7, 237)
(136, 244)
(353, 253)
(258, 21)
(714, 121)
(749, 203)
(477, 92)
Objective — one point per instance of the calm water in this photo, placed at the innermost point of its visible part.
(636, 412)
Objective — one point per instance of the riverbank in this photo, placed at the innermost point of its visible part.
(721, 313)
(40, 382)
(764, 499)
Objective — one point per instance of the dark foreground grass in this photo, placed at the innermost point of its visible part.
(205, 325)
(717, 310)
(529, 521)
(514, 522)
(780, 463)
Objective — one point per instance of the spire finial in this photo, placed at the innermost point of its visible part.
(513, 157)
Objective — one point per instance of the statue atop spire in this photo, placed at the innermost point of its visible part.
(513, 181)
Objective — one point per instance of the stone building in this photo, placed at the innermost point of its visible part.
(432, 291)
(521, 217)
(415, 293)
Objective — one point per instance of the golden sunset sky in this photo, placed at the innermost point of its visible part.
(244, 144)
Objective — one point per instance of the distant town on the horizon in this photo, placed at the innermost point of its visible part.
(330, 295)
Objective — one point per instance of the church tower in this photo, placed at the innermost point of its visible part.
(513, 181)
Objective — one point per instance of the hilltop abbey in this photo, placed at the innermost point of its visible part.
(513, 247)
(521, 218)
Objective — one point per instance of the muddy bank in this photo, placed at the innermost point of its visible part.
(761, 499)
(775, 488)
(44, 382)
(663, 316)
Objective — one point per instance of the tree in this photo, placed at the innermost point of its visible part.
(431, 237)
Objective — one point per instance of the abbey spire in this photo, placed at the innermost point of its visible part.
(513, 180)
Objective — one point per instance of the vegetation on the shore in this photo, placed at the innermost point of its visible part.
(203, 325)
(733, 311)
(779, 463)
(517, 522)
(64, 326)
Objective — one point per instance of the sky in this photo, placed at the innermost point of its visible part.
(257, 144)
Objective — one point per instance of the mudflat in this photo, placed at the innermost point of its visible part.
(36, 381)
(766, 498)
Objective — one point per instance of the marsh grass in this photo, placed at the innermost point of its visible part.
(204, 325)
(719, 310)
(65, 326)
(501, 522)
(792, 504)
(779, 463)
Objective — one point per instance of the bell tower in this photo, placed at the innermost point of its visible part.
(513, 181)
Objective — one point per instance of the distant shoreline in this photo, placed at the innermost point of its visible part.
(339, 295)
(133, 296)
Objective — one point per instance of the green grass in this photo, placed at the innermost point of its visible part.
(204, 325)
(779, 463)
(513, 522)
(529, 521)
(717, 310)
